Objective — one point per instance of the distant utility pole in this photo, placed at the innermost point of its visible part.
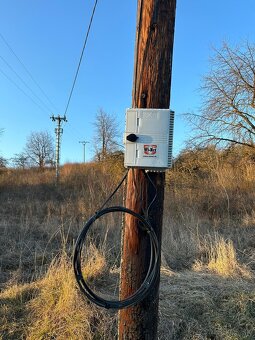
(58, 132)
(84, 146)
(151, 89)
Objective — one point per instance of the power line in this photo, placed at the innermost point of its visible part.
(27, 86)
(19, 88)
(83, 49)
(27, 71)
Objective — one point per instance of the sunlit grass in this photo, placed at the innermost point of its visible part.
(53, 308)
(223, 260)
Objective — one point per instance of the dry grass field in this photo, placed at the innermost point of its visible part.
(208, 260)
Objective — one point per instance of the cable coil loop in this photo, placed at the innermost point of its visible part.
(152, 272)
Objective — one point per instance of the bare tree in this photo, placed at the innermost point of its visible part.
(39, 149)
(105, 135)
(20, 160)
(3, 162)
(228, 108)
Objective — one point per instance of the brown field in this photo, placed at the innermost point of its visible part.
(208, 261)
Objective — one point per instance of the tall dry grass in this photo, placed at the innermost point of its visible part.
(210, 192)
(209, 226)
(39, 224)
(52, 308)
(36, 214)
(221, 259)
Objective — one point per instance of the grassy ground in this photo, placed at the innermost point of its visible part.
(206, 306)
(207, 282)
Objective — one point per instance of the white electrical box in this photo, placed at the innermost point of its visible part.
(148, 139)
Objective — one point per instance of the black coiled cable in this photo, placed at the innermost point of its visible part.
(152, 272)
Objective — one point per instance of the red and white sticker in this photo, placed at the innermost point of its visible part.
(150, 149)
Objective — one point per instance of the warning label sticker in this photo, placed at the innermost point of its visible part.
(150, 150)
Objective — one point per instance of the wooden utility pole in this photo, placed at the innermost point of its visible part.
(151, 89)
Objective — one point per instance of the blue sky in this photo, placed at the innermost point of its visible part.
(47, 35)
